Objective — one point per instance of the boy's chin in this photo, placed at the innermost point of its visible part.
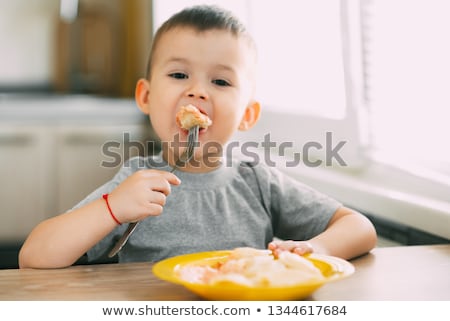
(200, 162)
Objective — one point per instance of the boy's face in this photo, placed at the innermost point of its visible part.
(212, 70)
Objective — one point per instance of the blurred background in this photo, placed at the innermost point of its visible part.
(68, 70)
(365, 71)
(95, 47)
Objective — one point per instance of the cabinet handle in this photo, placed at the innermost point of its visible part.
(16, 139)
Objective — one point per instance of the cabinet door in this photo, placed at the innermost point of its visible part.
(89, 156)
(25, 191)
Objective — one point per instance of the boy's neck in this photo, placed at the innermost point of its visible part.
(198, 163)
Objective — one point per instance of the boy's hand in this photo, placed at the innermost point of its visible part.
(297, 247)
(141, 195)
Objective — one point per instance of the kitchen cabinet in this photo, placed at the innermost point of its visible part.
(52, 155)
(46, 170)
(83, 165)
(25, 190)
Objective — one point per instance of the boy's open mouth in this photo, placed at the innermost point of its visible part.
(189, 116)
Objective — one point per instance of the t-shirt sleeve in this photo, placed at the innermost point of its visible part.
(298, 211)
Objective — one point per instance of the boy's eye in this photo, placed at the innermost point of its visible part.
(178, 75)
(221, 82)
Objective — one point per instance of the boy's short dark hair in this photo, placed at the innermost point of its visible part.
(200, 18)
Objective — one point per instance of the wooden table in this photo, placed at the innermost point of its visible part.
(392, 273)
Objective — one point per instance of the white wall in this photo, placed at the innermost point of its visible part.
(27, 45)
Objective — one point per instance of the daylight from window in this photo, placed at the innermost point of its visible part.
(404, 70)
(408, 73)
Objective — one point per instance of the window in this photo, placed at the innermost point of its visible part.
(300, 56)
(307, 84)
(408, 76)
(311, 77)
(373, 73)
(366, 71)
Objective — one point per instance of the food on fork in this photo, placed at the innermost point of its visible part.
(190, 116)
(253, 267)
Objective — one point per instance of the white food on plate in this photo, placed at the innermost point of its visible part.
(252, 267)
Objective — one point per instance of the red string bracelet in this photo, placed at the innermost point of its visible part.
(105, 197)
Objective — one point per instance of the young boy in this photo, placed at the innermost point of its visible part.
(201, 56)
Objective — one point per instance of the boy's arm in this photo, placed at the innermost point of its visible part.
(347, 235)
(61, 240)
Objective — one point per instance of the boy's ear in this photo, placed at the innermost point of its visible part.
(141, 95)
(251, 116)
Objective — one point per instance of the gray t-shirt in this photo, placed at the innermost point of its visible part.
(238, 204)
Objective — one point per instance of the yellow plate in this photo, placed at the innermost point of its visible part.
(332, 268)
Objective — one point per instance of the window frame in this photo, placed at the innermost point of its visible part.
(302, 129)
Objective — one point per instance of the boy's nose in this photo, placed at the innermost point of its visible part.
(197, 91)
(203, 97)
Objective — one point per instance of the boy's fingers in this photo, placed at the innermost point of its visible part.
(303, 248)
(155, 209)
(170, 177)
(158, 198)
(283, 245)
(297, 247)
(159, 184)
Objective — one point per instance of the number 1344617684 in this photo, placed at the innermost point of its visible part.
(307, 310)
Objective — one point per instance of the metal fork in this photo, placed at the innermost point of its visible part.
(183, 159)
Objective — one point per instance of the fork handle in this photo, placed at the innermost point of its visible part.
(121, 242)
(192, 139)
